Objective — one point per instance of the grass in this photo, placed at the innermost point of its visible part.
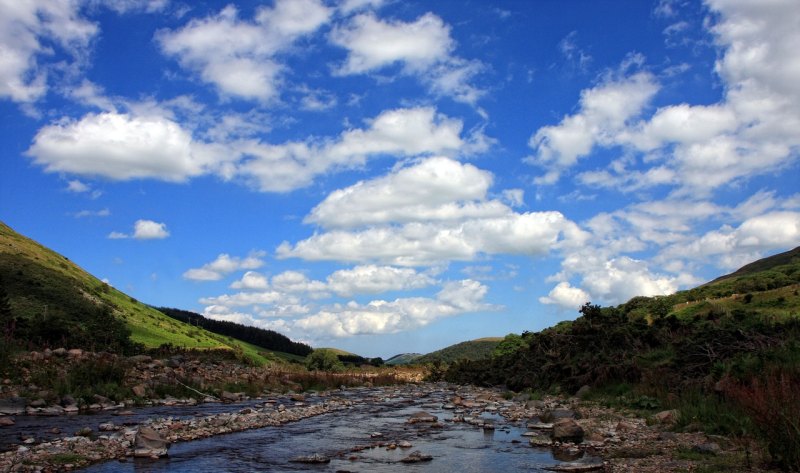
(49, 283)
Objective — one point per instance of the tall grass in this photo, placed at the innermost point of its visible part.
(772, 401)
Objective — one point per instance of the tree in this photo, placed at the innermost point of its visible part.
(324, 360)
(509, 345)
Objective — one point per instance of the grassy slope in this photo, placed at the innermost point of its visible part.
(470, 350)
(60, 280)
(403, 359)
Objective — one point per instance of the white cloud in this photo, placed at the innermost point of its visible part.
(400, 133)
(695, 149)
(92, 213)
(117, 146)
(373, 44)
(28, 32)
(149, 143)
(77, 186)
(431, 212)
(434, 189)
(143, 230)
(149, 230)
(730, 247)
(239, 57)
(423, 48)
(566, 296)
(251, 280)
(605, 110)
(379, 316)
(424, 244)
(372, 279)
(226, 264)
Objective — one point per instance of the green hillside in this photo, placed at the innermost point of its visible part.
(469, 350)
(53, 302)
(403, 359)
(725, 356)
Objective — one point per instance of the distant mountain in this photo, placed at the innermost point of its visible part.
(47, 300)
(403, 359)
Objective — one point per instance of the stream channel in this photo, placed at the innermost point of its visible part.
(455, 446)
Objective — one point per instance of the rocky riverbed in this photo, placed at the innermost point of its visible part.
(436, 427)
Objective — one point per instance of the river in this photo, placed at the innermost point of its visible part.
(456, 447)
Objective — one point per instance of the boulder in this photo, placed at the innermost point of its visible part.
(567, 430)
(667, 417)
(13, 406)
(149, 443)
(6, 421)
(583, 391)
(75, 353)
(552, 415)
(417, 457)
(311, 459)
(140, 390)
(422, 416)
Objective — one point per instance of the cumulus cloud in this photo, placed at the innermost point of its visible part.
(28, 32)
(400, 132)
(693, 148)
(148, 143)
(604, 112)
(566, 296)
(423, 48)
(149, 230)
(373, 279)
(251, 280)
(731, 247)
(238, 56)
(379, 316)
(143, 230)
(226, 264)
(434, 189)
(434, 211)
(425, 244)
(117, 146)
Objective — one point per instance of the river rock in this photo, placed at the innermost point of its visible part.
(404, 444)
(13, 406)
(552, 415)
(311, 459)
(575, 467)
(6, 421)
(149, 443)
(667, 417)
(54, 410)
(540, 441)
(422, 416)
(417, 457)
(230, 397)
(567, 430)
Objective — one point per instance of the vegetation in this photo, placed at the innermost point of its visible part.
(48, 301)
(726, 354)
(403, 359)
(323, 359)
(266, 339)
(471, 350)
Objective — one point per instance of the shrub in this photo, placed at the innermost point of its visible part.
(773, 405)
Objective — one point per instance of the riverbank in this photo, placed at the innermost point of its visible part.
(577, 432)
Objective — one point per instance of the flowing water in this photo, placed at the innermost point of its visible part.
(455, 446)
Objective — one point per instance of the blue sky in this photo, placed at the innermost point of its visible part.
(386, 176)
